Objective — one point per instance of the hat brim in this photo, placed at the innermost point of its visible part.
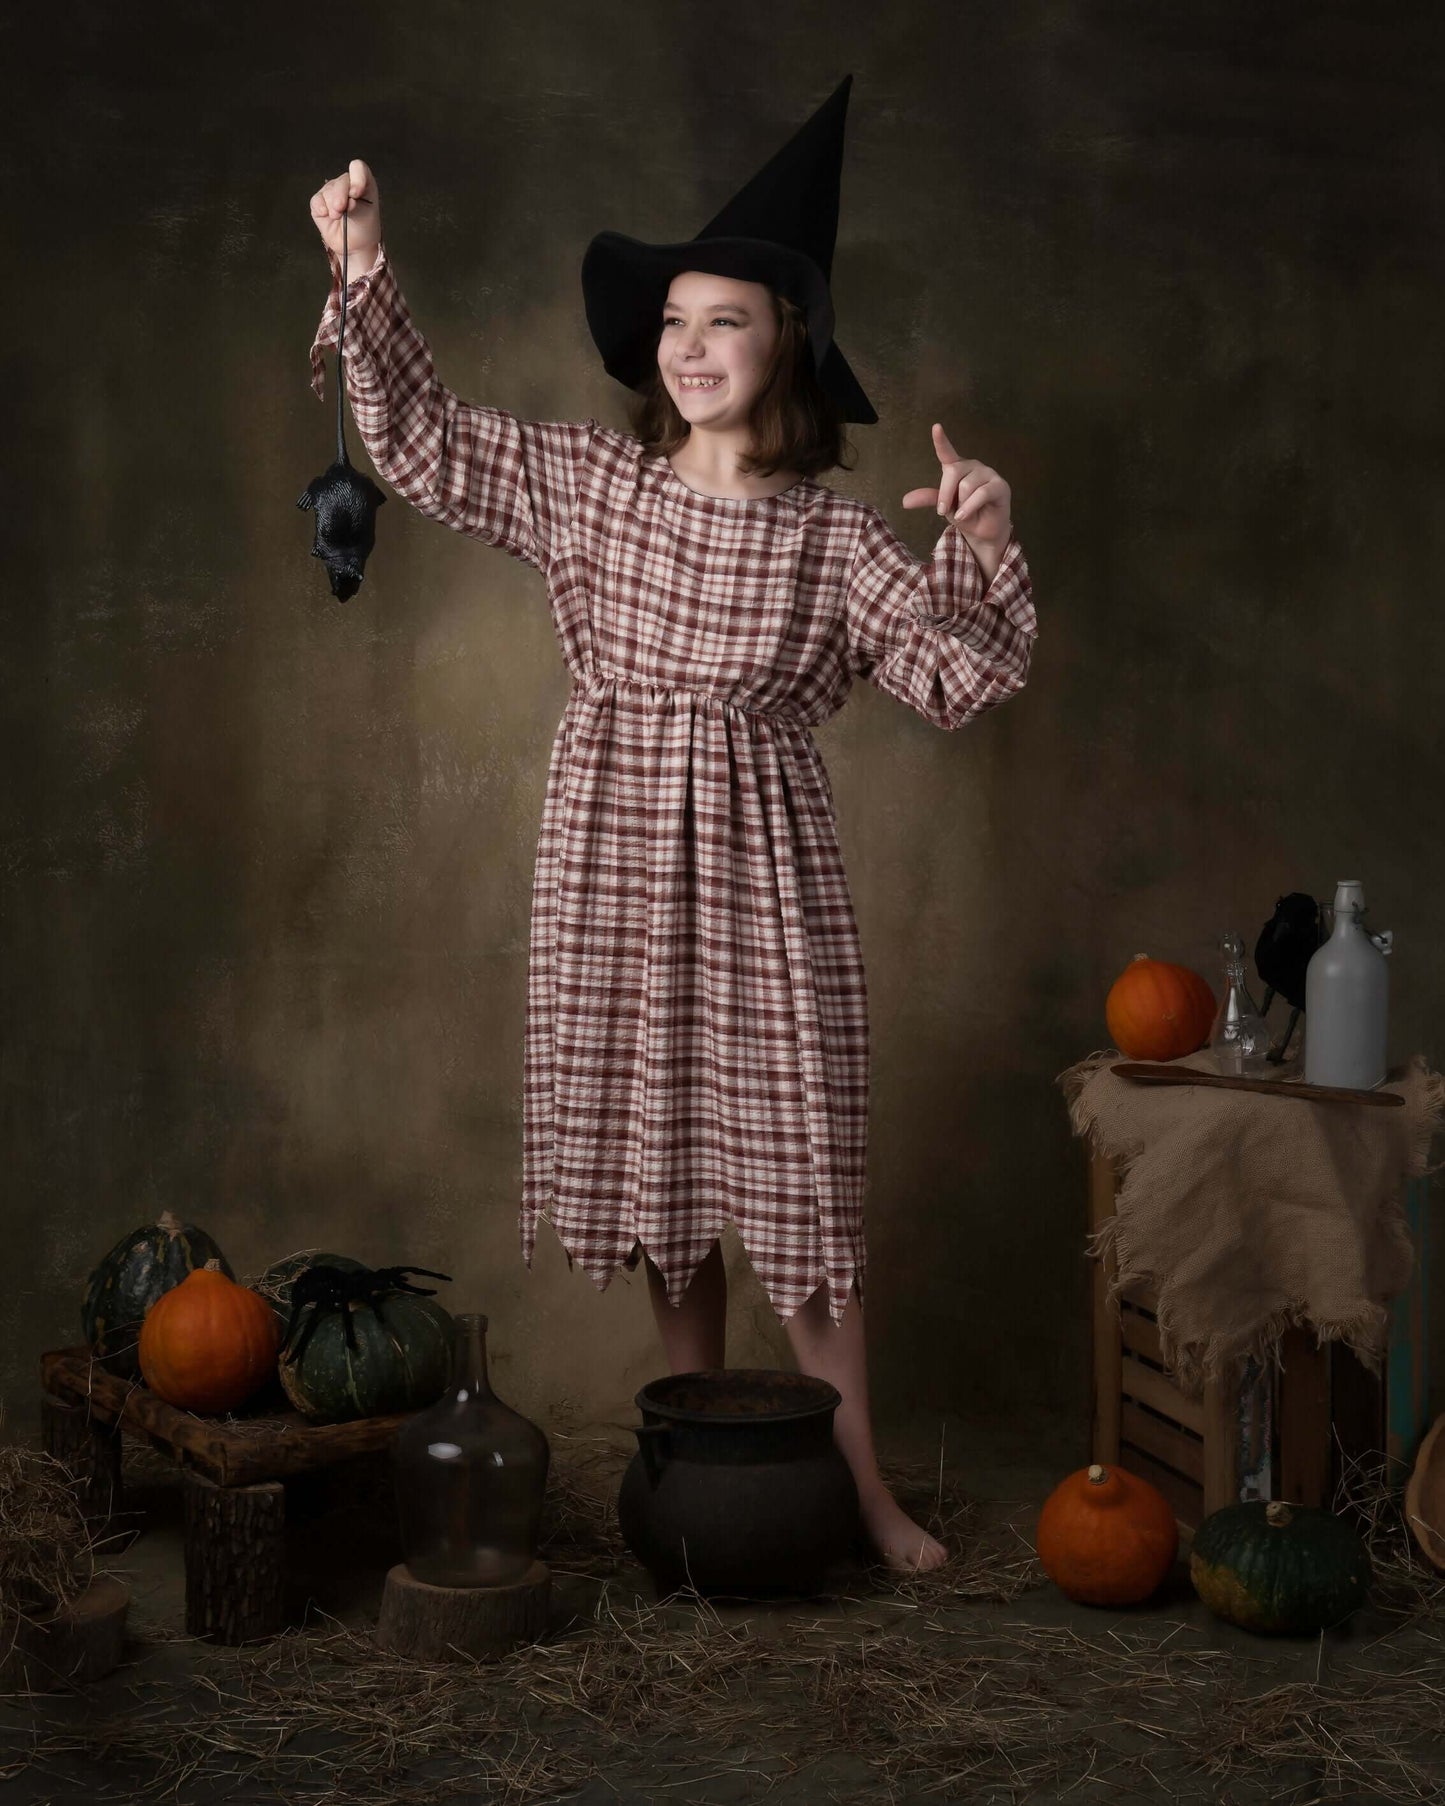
(625, 282)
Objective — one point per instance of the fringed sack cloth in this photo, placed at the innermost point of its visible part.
(1247, 1214)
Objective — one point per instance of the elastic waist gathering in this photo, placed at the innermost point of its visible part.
(602, 686)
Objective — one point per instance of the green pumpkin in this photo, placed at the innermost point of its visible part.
(1282, 1570)
(401, 1362)
(139, 1269)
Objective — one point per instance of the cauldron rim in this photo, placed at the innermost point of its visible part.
(827, 1398)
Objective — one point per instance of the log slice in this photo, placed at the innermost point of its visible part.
(79, 1642)
(447, 1624)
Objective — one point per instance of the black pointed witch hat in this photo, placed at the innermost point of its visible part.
(779, 229)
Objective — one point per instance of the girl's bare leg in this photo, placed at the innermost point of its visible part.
(694, 1333)
(836, 1353)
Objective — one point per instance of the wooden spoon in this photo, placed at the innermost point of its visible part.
(1145, 1072)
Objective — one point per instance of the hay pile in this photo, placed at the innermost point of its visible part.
(678, 1697)
(942, 1685)
(47, 1553)
(1371, 1494)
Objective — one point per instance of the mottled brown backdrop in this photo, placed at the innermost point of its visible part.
(1177, 271)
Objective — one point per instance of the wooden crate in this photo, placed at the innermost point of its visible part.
(1284, 1433)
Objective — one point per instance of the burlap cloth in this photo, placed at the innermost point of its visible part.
(1248, 1214)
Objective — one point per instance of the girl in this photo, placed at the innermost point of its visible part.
(696, 1042)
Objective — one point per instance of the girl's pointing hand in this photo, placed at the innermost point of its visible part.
(974, 499)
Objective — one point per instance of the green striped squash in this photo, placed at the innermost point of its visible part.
(1283, 1570)
(401, 1362)
(139, 1269)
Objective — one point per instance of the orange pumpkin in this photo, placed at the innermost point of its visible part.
(1106, 1537)
(208, 1344)
(1158, 1011)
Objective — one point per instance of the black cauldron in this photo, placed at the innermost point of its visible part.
(737, 1485)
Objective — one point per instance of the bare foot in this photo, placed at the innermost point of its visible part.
(902, 1545)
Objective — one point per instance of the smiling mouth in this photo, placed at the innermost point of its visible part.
(699, 385)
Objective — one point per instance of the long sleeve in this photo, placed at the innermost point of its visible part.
(509, 482)
(931, 633)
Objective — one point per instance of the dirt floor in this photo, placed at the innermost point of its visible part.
(982, 1684)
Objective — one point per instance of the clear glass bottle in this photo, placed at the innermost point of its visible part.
(470, 1474)
(1239, 1039)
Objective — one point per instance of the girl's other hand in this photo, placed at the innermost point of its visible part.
(355, 194)
(975, 499)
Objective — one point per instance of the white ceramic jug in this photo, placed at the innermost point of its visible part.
(1347, 991)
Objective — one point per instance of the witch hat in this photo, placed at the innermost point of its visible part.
(779, 229)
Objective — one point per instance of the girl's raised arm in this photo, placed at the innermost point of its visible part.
(483, 471)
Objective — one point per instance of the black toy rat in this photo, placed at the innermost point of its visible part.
(345, 501)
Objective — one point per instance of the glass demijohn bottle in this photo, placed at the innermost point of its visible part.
(470, 1474)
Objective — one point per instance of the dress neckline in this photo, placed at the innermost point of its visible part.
(670, 476)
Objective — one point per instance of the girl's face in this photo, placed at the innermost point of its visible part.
(718, 336)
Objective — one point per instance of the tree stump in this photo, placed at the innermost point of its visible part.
(81, 1641)
(90, 1448)
(235, 1542)
(443, 1624)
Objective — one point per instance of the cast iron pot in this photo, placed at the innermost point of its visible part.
(737, 1485)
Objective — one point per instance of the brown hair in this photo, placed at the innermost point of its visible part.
(796, 424)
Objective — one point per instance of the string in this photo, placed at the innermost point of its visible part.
(340, 341)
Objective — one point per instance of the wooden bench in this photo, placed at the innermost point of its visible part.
(233, 1471)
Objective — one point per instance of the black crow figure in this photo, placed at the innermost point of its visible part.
(1286, 945)
(345, 501)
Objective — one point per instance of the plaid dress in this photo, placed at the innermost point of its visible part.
(697, 1032)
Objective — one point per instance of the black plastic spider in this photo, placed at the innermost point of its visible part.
(326, 1290)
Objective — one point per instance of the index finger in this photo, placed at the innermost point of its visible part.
(943, 444)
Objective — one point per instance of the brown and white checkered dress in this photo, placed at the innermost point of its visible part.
(697, 1033)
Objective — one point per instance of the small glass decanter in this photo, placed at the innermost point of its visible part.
(470, 1474)
(1239, 1039)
